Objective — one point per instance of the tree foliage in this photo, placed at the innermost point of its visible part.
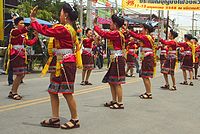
(48, 9)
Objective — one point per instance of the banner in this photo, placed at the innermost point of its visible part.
(190, 5)
(1, 20)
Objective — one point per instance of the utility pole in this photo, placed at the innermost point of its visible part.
(162, 21)
(150, 15)
(116, 7)
(167, 24)
(159, 26)
(89, 14)
(2, 4)
(193, 23)
(81, 16)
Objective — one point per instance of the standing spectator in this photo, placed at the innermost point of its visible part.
(99, 52)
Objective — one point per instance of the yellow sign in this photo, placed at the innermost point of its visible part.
(163, 4)
(1, 20)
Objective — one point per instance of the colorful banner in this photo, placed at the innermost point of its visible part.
(1, 21)
(103, 21)
(190, 5)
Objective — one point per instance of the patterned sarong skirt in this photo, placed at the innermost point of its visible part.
(169, 65)
(187, 63)
(147, 68)
(18, 65)
(130, 61)
(65, 82)
(88, 62)
(116, 72)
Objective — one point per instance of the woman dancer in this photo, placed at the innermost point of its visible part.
(87, 57)
(17, 58)
(163, 55)
(188, 58)
(63, 81)
(132, 56)
(171, 58)
(116, 73)
(148, 57)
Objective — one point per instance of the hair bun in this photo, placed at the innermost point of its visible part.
(149, 27)
(188, 36)
(118, 20)
(72, 11)
(174, 33)
(67, 8)
(73, 15)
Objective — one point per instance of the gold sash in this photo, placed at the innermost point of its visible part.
(52, 40)
(192, 46)
(10, 48)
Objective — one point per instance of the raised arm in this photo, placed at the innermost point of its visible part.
(112, 35)
(31, 42)
(137, 36)
(181, 44)
(165, 42)
(58, 32)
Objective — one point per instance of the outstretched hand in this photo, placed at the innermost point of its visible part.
(34, 12)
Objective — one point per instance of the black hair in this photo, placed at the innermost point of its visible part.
(188, 36)
(119, 21)
(174, 33)
(149, 27)
(72, 11)
(195, 38)
(87, 30)
(17, 20)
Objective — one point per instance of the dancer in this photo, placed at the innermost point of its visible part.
(63, 81)
(132, 56)
(148, 57)
(171, 58)
(116, 73)
(17, 58)
(87, 57)
(197, 55)
(188, 58)
(163, 55)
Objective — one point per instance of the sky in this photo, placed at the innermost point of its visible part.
(183, 18)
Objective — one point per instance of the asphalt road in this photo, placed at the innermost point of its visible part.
(168, 112)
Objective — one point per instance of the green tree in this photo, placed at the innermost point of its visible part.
(52, 6)
(24, 10)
